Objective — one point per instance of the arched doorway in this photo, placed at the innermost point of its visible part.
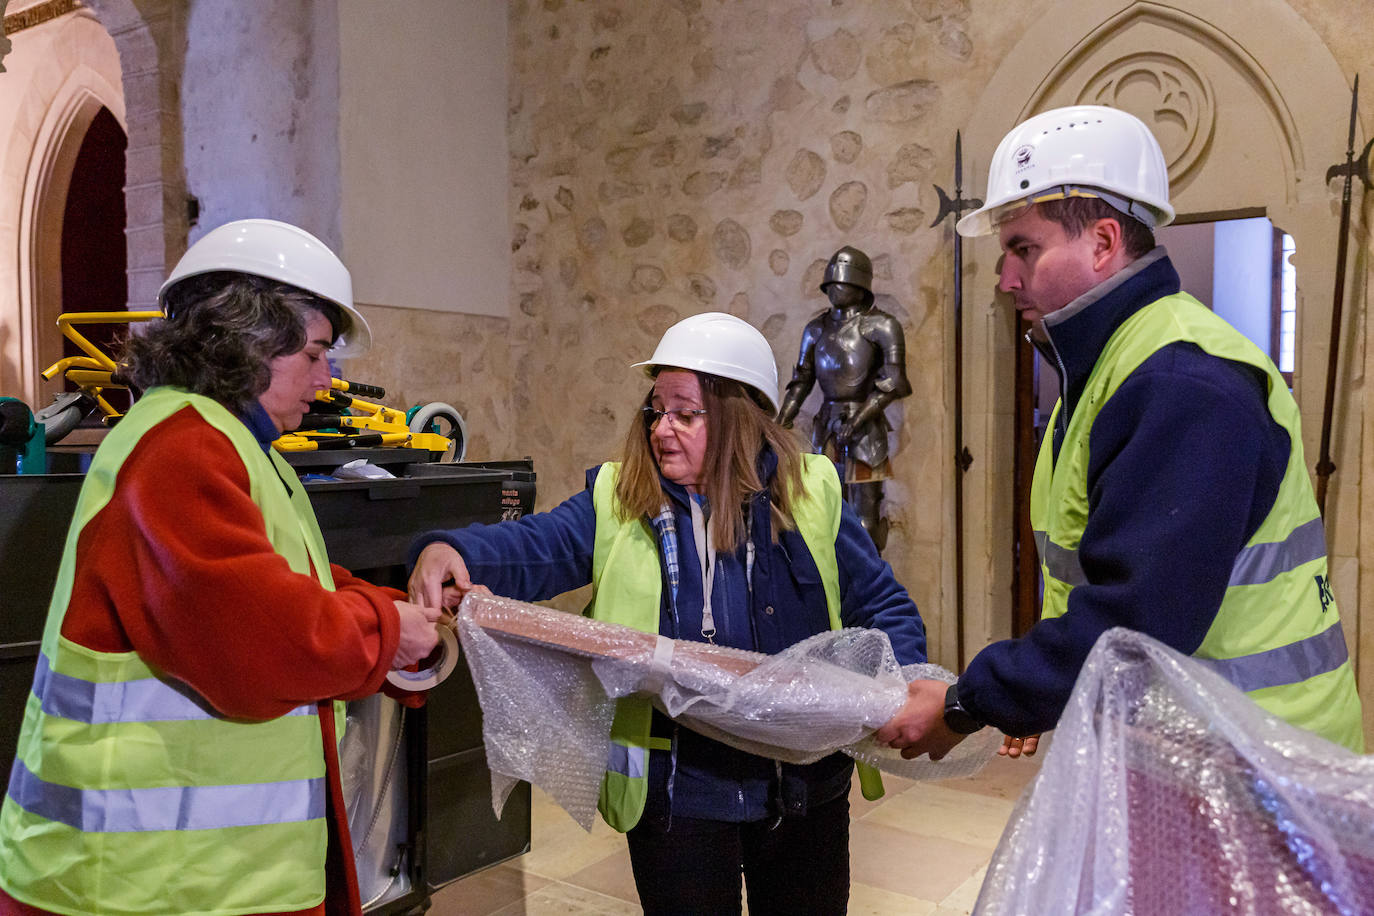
(93, 252)
(60, 88)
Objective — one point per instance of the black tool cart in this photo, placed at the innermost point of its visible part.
(420, 793)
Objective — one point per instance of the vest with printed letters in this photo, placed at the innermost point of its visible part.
(1277, 634)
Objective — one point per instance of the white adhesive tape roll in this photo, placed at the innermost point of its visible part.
(430, 677)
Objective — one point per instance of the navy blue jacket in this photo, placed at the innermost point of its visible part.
(548, 553)
(1186, 462)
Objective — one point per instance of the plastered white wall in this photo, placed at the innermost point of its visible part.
(424, 153)
(1243, 284)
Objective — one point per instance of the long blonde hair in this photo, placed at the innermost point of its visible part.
(737, 428)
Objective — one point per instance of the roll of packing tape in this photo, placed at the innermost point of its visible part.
(431, 677)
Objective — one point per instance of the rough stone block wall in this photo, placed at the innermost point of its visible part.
(421, 356)
(680, 156)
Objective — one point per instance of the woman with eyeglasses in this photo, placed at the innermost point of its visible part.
(713, 526)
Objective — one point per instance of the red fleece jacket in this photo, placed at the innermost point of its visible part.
(178, 567)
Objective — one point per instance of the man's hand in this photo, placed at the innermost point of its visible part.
(418, 633)
(1019, 747)
(919, 726)
(440, 577)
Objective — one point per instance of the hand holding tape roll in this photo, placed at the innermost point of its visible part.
(431, 674)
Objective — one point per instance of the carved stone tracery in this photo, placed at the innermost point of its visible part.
(1169, 95)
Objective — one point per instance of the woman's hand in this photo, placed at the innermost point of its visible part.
(440, 577)
(1019, 747)
(418, 633)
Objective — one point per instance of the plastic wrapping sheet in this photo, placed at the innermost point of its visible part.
(548, 681)
(1167, 791)
(373, 770)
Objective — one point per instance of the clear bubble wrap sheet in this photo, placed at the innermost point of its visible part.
(548, 680)
(1167, 791)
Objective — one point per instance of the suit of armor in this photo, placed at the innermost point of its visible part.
(858, 355)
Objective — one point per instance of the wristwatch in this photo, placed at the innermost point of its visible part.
(956, 716)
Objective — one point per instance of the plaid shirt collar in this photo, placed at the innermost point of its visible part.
(666, 527)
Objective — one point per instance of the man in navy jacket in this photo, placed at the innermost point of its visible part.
(1177, 461)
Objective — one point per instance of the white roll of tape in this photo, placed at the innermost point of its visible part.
(429, 678)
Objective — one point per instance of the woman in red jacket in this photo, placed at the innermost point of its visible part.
(179, 749)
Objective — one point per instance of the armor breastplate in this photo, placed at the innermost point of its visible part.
(844, 360)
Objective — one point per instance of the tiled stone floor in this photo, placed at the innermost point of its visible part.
(920, 850)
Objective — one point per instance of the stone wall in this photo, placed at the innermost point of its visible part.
(462, 360)
(671, 158)
(151, 38)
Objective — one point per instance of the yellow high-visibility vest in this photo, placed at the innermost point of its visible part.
(1278, 634)
(129, 795)
(627, 589)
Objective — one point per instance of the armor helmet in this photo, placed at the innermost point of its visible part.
(723, 345)
(281, 252)
(1079, 151)
(849, 265)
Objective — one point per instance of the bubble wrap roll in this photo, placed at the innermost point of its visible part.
(1168, 791)
(548, 681)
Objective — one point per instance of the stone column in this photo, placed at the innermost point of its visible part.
(151, 38)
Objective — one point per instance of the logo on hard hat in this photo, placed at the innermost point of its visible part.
(1023, 156)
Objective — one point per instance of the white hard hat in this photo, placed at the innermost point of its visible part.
(1079, 151)
(282, 252)
(722, 345)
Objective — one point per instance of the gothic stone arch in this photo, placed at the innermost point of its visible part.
(78, 77)
(132, 66)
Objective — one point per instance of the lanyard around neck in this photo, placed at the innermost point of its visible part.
(706, 556)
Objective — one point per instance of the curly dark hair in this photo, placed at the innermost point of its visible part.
(222, 331)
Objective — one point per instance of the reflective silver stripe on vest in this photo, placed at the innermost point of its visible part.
(142, 700)
(627, 761)
(1260, 563)
(1290, 664)
(171, 808)
(1255, 565)
(1060, 562)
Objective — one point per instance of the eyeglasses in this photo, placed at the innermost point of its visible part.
(680, 419)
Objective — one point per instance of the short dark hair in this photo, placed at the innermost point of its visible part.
(1075, 214)
(224, 329)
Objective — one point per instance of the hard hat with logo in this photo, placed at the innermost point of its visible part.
(277, 251)
(1079, 151)
(849, 265)
(719, 344)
